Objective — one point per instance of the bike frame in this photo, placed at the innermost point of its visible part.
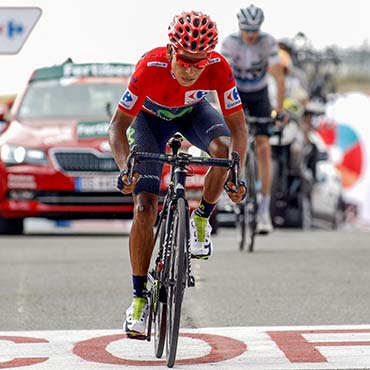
(172, 268)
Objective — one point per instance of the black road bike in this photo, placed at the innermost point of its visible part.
(171, 272)
(246, 211)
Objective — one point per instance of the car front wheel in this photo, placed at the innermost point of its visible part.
(11, 226)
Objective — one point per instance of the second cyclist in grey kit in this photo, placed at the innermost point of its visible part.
(253, 55)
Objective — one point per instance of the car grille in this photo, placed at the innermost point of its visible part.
(85, 162)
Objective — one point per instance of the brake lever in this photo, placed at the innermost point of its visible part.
(131, 163)
(234, 178)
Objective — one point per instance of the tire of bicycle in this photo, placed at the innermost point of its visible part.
(176, 289)
(160, 325)
(240, 213)
(160, 310)
(251, 205)
(240, 224)
(247, 210)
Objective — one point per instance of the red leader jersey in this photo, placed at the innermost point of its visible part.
(153, 87)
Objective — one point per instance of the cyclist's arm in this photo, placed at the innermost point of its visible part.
(276, 70)
(239, 133)
(117, 137)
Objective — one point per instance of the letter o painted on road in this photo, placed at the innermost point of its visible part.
(222, 349)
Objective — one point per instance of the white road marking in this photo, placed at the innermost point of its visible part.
(247, 348)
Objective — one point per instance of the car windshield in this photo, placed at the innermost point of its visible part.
(68, 98)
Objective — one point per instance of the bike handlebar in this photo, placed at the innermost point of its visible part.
(183, 159)
(261, 120)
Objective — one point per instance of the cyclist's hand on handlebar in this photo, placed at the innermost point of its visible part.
(123, 184)
(236, 195)
(281, 118)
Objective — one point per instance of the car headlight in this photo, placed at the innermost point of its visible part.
(13, 155)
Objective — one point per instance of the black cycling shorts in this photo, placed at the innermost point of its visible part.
(151, 133)
(257, 104)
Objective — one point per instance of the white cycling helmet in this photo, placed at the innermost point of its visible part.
(250, 18)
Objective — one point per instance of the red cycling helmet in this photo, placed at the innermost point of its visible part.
(193, 32)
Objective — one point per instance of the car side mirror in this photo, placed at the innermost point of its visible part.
(4, 124)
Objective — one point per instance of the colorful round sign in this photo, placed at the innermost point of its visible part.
(345, 150)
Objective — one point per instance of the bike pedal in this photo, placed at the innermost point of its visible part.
(191, 281)
(137, 336)
(197, 257)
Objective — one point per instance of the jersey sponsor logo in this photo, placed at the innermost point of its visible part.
(128, 99)
(166, 113)
(157, 64)
(213, 128)
(255, 73)
(215, 60)
(168, 116)
(231, 98)
(194, 96)
(149, 177)
(130, 135)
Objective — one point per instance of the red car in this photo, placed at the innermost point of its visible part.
(55, 159)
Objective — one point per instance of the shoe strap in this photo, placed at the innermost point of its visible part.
(138, 307)
(201, 225)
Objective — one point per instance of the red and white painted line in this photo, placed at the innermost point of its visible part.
(249, 348)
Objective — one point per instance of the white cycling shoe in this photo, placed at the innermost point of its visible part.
(200, 237)
(136, 318)
(264, 225)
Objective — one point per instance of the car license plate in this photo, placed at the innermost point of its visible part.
(96, 183)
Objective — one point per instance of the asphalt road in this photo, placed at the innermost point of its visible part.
(55, 282)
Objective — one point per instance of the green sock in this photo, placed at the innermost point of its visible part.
(139, 303)
(201, 223)
(205, 209)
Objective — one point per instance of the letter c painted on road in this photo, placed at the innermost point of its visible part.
(19, 362)
(222, 348)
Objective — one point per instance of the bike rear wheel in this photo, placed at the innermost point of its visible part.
(247, 211)
(177, 278)
(160, 324)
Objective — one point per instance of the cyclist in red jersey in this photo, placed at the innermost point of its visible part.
(167, 94)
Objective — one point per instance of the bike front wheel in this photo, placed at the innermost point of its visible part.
(240, 224)
(177, 278)
(158, 297)
(246, 212)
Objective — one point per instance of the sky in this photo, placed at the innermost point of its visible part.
(121, 30)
